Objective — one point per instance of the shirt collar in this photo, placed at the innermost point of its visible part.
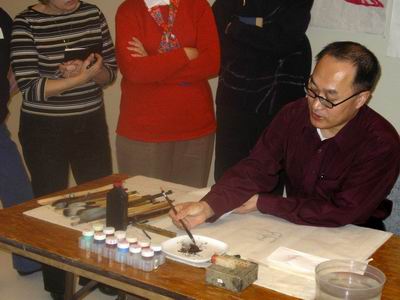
(349, 136)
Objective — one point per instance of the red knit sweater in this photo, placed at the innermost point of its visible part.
(166, 97)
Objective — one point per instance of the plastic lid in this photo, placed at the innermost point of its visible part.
(144, 243)
(147, 253)
(120, 234)
(109, 230)
(131, 239)
(98, 226)
(123, 245)
(88, 232)
(99, 236)
(156, 247)
(135, 249)
(111, 240)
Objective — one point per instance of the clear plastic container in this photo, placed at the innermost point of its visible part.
(86, 241)
(147, 264)
(99, 242)
(159, 256)
(109, 231)
(348, 279)
(110, 249)
(121, 255)
(134, 256)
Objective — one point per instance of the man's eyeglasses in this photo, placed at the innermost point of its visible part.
(325, 102)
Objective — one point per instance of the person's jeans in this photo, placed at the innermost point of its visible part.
(15, 188)
(52, 145)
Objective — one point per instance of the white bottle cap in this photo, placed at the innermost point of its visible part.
(88, 232)
(123, 245)
(111, 240)
(147, 252)
(156, 247)
(131, 239)
(99, 236)
(135, 249)
(109, 230)
(144, 243)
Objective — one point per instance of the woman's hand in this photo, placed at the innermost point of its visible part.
(137, 48)
(70, 68)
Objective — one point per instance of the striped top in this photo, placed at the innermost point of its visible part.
(37, 49)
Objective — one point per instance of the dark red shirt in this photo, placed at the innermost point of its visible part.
(338, 181)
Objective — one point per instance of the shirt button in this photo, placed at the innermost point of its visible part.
(319, 150)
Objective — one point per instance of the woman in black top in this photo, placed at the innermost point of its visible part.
(266, 59)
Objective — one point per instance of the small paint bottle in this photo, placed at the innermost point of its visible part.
(134, 256)
(159, 256)
(110, 249)
(147, 264)
(98, 245)
(98, 227)
(109, 231)
(122, 253)
(144, 243)
(120, 235)
(86, 241)
(131, 239)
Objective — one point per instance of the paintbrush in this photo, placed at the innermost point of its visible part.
(181, 221)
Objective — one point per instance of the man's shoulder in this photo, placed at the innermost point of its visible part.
(378, 129)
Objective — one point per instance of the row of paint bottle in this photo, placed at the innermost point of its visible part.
(106, 244)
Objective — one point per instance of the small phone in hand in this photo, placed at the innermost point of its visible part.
(81, 53)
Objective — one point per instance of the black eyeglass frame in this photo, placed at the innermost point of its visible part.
(325, 102)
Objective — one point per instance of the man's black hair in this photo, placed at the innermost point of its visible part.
(368, 67)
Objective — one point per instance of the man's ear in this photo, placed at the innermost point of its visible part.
(363, 99)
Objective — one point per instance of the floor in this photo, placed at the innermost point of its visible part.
(15, 287)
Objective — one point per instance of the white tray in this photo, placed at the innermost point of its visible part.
(208, 246)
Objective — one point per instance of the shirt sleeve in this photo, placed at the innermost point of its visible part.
(207, 64)
(25, 62)
(108, 52)
(149, 69)
(258, 173)
(278, 35)
(367, 183)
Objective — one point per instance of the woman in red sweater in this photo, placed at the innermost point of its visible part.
(167, 50)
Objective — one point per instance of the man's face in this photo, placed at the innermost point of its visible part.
(333, 80)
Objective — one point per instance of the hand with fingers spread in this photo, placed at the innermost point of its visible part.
(191, 213)
(137, 48)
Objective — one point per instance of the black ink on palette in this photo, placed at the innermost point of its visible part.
(190, 249)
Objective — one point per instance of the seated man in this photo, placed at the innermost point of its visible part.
(341, 158)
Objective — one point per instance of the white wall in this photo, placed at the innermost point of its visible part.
(386, 99)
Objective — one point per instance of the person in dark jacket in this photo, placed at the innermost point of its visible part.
(15, 187)
(266, 59)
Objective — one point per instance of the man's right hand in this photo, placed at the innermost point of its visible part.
(191, 213)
